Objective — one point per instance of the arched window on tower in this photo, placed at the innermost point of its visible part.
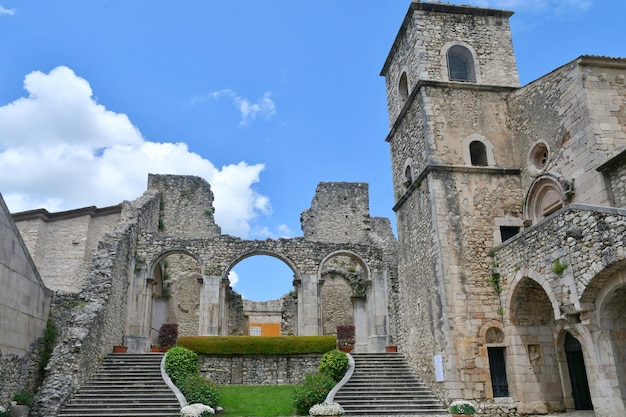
(408, 176)
(478, 153)
(461, 64)
(403, 89)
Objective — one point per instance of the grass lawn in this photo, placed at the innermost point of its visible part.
(257, 401)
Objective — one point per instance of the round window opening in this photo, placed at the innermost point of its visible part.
(538, 157)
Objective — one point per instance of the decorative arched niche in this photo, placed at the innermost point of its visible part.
(547, 194)
(459, 62)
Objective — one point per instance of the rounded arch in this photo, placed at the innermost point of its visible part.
(459, 62)
(257, 252)
(159, 257)
(537, 278)
(491, 332)
(356, 257)
(547, 194)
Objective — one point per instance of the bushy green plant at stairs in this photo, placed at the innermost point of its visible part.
(197, 389)
(180, 363)
(313, 390)
(334, 364)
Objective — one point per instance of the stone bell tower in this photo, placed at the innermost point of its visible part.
(456, 181)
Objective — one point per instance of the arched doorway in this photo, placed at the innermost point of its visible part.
(577, 373)
(536, 367)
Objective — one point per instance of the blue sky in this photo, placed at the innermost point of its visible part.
(264, 99)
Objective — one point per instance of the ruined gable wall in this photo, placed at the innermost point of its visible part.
(62, 245)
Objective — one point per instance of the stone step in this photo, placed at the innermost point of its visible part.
(126, 385)
(384, 384)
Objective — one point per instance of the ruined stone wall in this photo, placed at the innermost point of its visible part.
(186, 206)
(91, 322)
(62, 244)
(430, 29)
(258, 369)
(339, 213)
(337, 310)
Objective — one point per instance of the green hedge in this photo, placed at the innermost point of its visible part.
(258, 345)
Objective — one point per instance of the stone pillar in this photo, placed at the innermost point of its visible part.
(210, 306)
(138, 313)
(377, 313)
(360, 324)
(309, 306)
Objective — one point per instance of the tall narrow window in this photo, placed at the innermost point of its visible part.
(497, 367)
(478, 153)
(461, 64)
(403, 89)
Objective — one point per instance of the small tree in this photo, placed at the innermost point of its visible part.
(168, 334)
(345, 335)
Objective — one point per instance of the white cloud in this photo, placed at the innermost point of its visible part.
(63, 150)
(264, 107)
(10, 12)
(233, 278)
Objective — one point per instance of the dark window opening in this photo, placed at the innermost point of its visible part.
(403, 88)
(460, 64)
(478, 153)
(408, 177)
(497, 368)
(507, 232)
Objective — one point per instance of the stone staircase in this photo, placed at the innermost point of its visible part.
(125, 385)
(384, 384)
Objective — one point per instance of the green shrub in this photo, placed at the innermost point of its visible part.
(334, 364)
(197, 389)
(23, 398)
(180, 362)
(255, 345)
(313, 390)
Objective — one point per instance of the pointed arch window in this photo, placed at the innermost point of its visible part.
(461, 64)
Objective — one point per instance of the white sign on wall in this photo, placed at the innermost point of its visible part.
(439, 368)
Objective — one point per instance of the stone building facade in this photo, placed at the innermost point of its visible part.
(510, 214)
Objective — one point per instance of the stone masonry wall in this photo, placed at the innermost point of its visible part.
(339, 213)
(575, 111)
(62, 244)
(258, 369)
(91, 322)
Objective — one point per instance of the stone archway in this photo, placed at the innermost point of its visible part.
(535, 366)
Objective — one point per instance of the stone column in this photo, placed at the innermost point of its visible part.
(210, 306)
(377, 313)
(360, 324)
(309, 306)
(138, 313)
